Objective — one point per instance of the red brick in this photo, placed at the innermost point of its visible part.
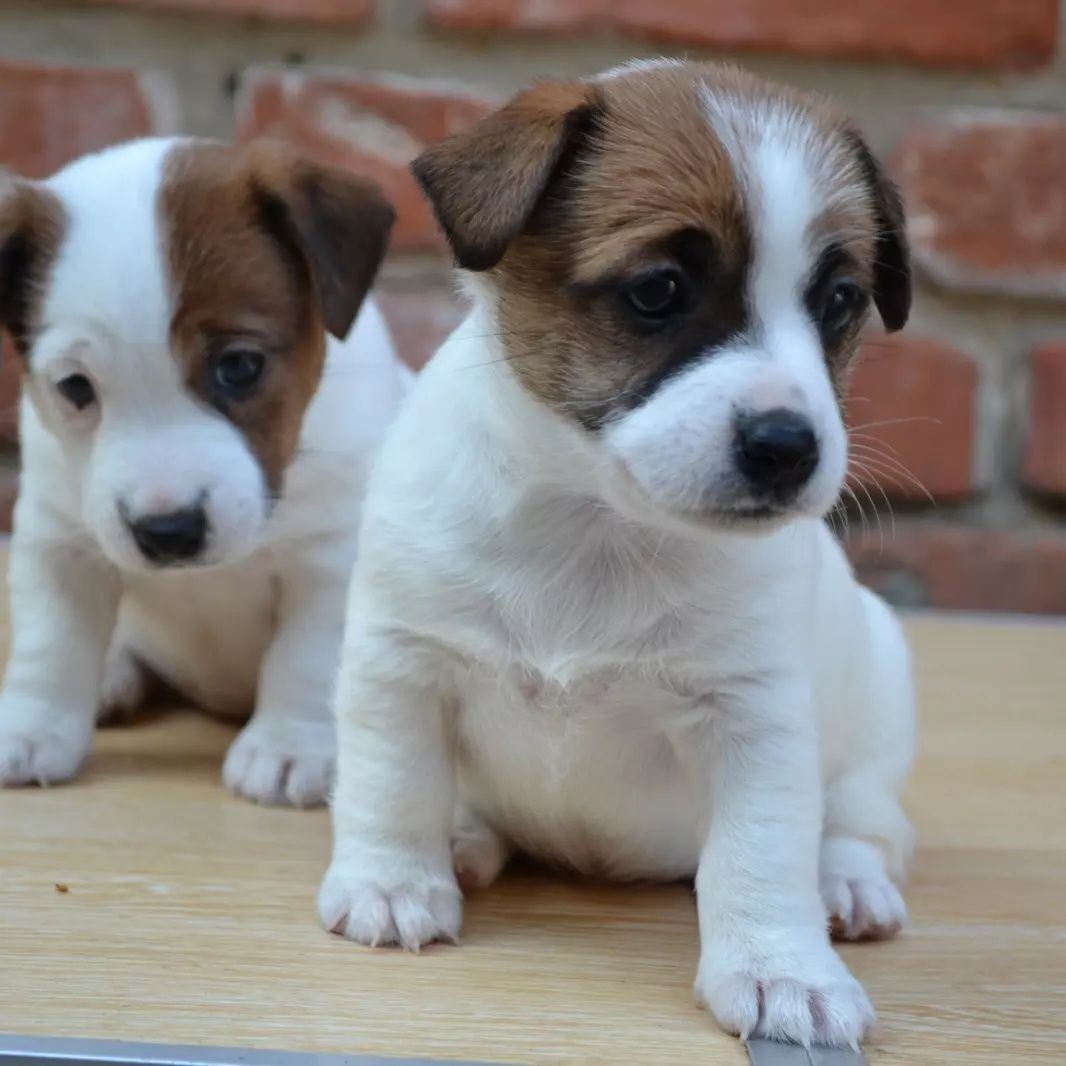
(50, 115)
(375, 125)
(984, 192)
(1044, 466)
(966, 569)
(912, 412)
(967, 33)
(419, 322)
(318, 12)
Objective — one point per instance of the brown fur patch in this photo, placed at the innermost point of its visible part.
(596, 184)
(266, 252)
(32, 223)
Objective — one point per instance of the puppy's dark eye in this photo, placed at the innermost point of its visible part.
(77, 390)
(236, 371)
(845, 302)
(657, 296)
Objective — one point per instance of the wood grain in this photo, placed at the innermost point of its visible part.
(189, 916)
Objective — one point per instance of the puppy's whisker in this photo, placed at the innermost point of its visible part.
(868, 477)
(877, 514)
(896, 422)
(858, 506)
(874, 443)
(480, 366)
(892, 463)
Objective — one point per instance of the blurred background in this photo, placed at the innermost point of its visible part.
(959, 490)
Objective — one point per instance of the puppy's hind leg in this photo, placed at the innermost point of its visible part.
(867, 838)
(127, 683)
(479, 852)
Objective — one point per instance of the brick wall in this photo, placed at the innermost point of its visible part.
(960, 424)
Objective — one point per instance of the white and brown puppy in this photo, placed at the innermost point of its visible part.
(597, 610)
(195, 447)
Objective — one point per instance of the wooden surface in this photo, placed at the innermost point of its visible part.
(189, 916)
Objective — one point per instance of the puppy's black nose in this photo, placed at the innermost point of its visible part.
(777, 450)
(172, 537)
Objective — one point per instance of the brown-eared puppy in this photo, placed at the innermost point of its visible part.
(598, 615)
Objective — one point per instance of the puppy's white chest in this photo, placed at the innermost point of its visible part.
(586, 774)
(205, 632)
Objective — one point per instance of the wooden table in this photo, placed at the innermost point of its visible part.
(144, 903)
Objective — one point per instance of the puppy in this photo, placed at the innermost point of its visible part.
(194, 446)
(597, 614)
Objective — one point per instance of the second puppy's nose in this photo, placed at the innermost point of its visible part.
(777, 450)
(176, 536)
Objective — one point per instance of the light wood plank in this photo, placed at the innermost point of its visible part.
(189, 915)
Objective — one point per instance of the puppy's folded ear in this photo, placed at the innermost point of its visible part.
(892, 270)
(338, 223)
(485, 183)
(31, 225)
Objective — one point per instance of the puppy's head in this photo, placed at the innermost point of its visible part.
(680, 258)
(170, 300)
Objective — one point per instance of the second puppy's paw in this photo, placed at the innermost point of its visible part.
(35, 754)
(269, 766)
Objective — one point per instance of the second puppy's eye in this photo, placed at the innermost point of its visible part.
(236, 372)
(77, 390)
(655, 297)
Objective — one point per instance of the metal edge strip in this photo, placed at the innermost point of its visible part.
(54, 1051)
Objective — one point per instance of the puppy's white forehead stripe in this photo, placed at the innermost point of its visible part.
(775, 149)
(111, 267)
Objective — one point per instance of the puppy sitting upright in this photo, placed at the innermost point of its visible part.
(194, 446)
(597, 609)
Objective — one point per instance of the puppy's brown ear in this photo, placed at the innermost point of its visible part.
(892, 270)
(485, 183)
(31, 226)
(337, 222)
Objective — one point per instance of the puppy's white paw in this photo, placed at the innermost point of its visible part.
(798, 1000)
(35, 755)
(267, 766)
(412, 909)
(479, 852)
(862, 901)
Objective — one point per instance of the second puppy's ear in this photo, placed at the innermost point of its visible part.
(339, 222)
(31, 228)
(485, 182)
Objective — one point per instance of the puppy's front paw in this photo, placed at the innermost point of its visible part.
(34, 755)
(388, 906)
(810, 999)
(270, 767)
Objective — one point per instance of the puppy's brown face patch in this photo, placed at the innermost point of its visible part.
(240, 292)
(639, 252)
(266, 252)
(32, 222)
(635, 261)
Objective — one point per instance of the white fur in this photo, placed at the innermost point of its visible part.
(540, 640)
(259, 625)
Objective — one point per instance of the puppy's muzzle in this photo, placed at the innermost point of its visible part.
(172, 537)
(777, 452)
